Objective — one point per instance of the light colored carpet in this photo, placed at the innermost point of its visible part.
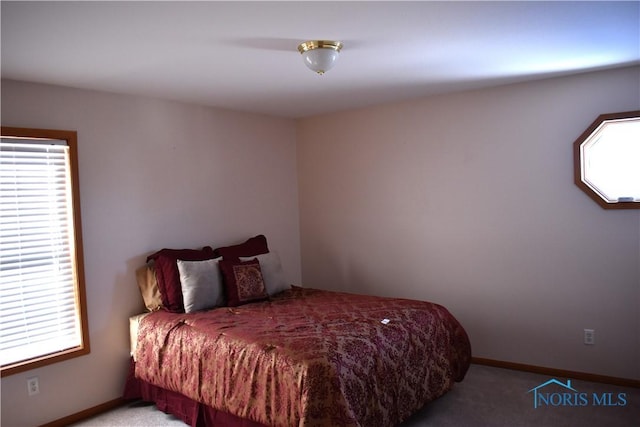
(488, 397)
(495, 397)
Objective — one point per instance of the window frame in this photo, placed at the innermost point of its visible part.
(84, 348)
(577, 160)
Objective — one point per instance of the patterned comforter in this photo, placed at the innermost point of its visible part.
(308, 357)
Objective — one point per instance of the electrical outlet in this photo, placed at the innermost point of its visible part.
(33, 386)
(589, 336)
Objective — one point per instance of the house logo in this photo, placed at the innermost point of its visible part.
(556, 393)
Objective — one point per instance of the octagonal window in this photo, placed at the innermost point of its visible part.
(607, 160)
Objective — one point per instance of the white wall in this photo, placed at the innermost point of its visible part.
(468, 200)
(153, 174)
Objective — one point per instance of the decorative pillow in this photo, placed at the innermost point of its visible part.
(272, 272)
(146, 278)
(201, 284)
(254, 246)
(168, 275)
(243, 281)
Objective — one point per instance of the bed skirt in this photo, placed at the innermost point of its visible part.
(191, 412)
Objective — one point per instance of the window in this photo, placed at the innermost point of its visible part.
(607, 156)
(42, 301)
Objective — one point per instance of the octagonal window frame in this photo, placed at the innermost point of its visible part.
(579, 160)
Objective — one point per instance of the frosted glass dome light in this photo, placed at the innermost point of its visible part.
(320, 55)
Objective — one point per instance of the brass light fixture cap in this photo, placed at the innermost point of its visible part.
(317, 44)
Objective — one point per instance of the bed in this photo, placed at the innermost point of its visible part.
(296, 357)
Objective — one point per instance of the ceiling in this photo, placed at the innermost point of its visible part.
(242, 55)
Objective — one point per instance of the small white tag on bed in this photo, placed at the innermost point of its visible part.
(384, 321)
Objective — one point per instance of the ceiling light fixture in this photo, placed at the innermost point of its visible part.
(320, 55)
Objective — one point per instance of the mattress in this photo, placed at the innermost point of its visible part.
(134, 325)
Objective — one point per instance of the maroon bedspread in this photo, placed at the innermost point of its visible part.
(308, 358)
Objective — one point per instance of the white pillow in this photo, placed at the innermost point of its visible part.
(201, 283)
(272, 272)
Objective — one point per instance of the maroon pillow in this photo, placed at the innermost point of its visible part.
(243, 281)
(254, 246)
(168, 276)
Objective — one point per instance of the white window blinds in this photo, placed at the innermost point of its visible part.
(38, 296)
